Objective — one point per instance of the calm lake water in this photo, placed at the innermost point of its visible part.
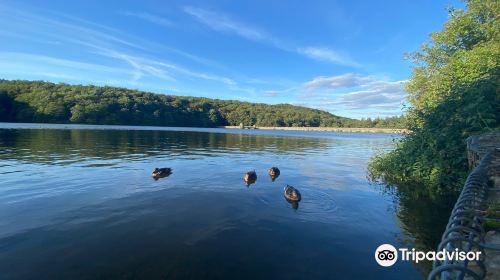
(79, 202)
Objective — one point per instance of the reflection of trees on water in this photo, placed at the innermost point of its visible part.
(45, 145)
(423, 218)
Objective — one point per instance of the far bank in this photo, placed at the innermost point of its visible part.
(330, 129)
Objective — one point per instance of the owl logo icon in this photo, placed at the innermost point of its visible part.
(386, 255)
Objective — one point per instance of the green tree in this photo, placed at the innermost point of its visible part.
(35, 101)
(453, 94)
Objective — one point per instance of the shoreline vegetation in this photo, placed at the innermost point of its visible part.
(151, 127)
(329, 129)
(453, 94)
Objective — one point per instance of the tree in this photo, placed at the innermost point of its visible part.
(25, 101)
(453, 94)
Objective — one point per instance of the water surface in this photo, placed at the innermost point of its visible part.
(79, 202)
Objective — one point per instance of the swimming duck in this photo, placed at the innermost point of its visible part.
(274, 172)
(250, 177)
(292, 194)
(161, 172)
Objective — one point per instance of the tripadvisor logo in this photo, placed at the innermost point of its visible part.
(387, 255)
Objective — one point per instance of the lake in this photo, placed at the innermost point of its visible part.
(79, 202)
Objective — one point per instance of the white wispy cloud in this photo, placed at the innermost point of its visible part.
(225, 24)
(356, 92)
(205, 76)
(34, 66)
(158, 67)
(148, 17)
(339, 81)
(5, 33)
(222, 23)
(133, 59)
(348, 94)
(328, 55)
(54, 61)
(387, 95)
(62, 28)
(141, 67)
(272, 93)
(70, 28)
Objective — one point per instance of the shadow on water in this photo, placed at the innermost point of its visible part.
(294, 204)
(423, 218)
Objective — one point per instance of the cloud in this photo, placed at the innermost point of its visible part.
(63, 28)
(222, 23)
(349, 94)
(328, 55)
(355, 94)
(389, 95)
(158, 68)
(340, 81)
(141, 67)
(148, 17)
(41, 26)
(132, 59)
(5, 33)
(34, 66)
(205, 76)
(272, 93)
(64, 63)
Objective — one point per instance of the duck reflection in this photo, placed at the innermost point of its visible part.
(274, 173)
(294, 204)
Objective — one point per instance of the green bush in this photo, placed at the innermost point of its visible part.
(453, 94)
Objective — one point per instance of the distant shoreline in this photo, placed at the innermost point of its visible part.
(330, 129)
(20, 125)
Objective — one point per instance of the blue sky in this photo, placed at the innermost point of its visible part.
(345, 57)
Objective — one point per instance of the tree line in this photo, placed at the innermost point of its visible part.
(45, 102)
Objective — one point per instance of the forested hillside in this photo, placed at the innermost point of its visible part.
(37, 101)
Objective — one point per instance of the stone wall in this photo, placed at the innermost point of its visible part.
(477, 148)
(479, 145)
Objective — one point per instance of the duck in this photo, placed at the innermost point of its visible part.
(161, 172)
(292, 194)
(250, 177)
(274, 172)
